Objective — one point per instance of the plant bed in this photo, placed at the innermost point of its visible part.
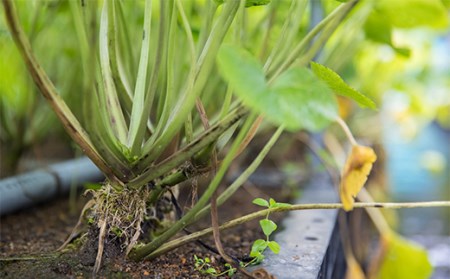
(29, 239)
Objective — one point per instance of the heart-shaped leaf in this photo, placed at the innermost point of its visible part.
(274, 246)
(268, 226)
(259, 245)
(296, 99)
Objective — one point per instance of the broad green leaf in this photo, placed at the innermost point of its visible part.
(357, 167)
(338, 85)
(260, 202)
(297, 99)
(274, 246)
(404, 259)
(414, 13)
(268, 226)
(243, 71)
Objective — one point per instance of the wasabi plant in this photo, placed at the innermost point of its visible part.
(152, 117)
(175, 89)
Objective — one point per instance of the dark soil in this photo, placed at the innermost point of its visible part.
(29, 238)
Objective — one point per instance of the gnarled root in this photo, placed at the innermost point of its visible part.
(118, 215)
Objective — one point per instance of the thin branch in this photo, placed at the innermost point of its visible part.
(388, 205)
(346, 130)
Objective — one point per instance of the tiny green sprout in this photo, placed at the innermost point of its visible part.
(268, 227)
(204, 267)
(230, 270)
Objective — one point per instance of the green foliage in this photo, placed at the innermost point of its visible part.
(25, 120)
(274, 246)
(257, 250)
(204, 267)
(379, 30)
(14, 92)
(268, 227)
(390, 14)
(296, 99)
(339, 86)
(414, 13)
(260, 202)
(404, 259)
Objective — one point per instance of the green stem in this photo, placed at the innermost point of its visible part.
(143, 251)
(339, 12)
(116, 120)
(128, 46)
(184, 154)
(244, 175)
(289, 31)
(194, 236)
(139, 112)
(153, 148)
(171, 64)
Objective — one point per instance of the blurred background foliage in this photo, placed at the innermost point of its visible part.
(26, 121)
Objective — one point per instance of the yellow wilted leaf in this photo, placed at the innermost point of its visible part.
(356, 169)
(354, 270)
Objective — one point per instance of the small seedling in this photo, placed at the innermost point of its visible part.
(268, 227)
(204, 267)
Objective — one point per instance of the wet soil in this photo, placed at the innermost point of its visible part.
(29, 238)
